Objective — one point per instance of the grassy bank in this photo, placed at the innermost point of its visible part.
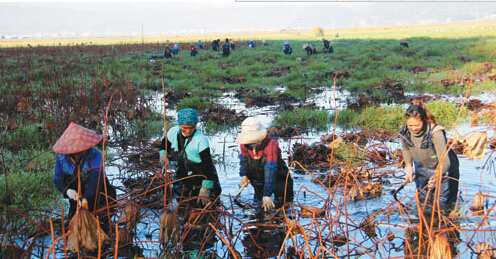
(390, 118)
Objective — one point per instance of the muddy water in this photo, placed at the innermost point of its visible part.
(473, 178)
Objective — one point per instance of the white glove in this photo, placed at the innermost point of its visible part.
(432, 182)
(162, 160)
(204, 196)
(267, 203)
(72, 194)
(409, 174)
(244, 181)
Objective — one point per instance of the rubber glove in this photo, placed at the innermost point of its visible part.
(409, 174)
(204, 195)
(162, 160)
(84, 204)
(244, 181)
(162, 157)
(72, 194)
(267, 203)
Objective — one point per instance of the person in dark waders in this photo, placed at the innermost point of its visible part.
(424, 148)
(310, 49)
(77, 155)
(226, 49)
(287, 48)
(215, 45)
(262, 166)
(190, 149)
(193, 51)
(167, 52)
(327, 46)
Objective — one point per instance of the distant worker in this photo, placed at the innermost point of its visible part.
(287, 48)
(215, 45)
(337, 35)
(265, 43)
(199, 44)
(309, 48)
(404, 43)
(175, 49)
(226, 49)
(327, 46)
(193, 51)
(232, 44)
(167, 52)
(251, 44)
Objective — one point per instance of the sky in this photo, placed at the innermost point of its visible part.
(74, 19)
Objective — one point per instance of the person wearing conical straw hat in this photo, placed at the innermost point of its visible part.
(196, 174)
(424, 149)
(309, 48)
(76, 154)
(262, 166)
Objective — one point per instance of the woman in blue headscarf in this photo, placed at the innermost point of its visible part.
(190, 148)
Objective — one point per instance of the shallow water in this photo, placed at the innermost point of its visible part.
(473, 178)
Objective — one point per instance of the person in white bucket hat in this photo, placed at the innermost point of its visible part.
(262, 166)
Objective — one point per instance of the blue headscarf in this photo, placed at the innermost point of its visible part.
(187, 116)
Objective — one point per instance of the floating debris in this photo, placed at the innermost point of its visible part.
(373, 189)
(368, 225)
(390, 236)
(441, 248)
(339, 240)
(355, 193)
(360, 138)
(474, 144)
(125, 236)
(293, 226)
(222, 115)
(130, 216)
(477, 204)
(285, 131)
(485, 251)
(314, 156)
(169, 228)
(311, 212)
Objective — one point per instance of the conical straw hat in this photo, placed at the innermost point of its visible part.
(251, 131)
(76, 139)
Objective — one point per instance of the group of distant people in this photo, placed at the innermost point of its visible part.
(228, 46)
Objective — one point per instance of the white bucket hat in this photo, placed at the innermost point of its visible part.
(251, 131)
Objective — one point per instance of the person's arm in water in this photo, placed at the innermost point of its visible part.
(162, 148)
(272, 152)
(243, 162)
(407, 156)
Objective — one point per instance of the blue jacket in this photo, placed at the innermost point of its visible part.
(91, 169)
